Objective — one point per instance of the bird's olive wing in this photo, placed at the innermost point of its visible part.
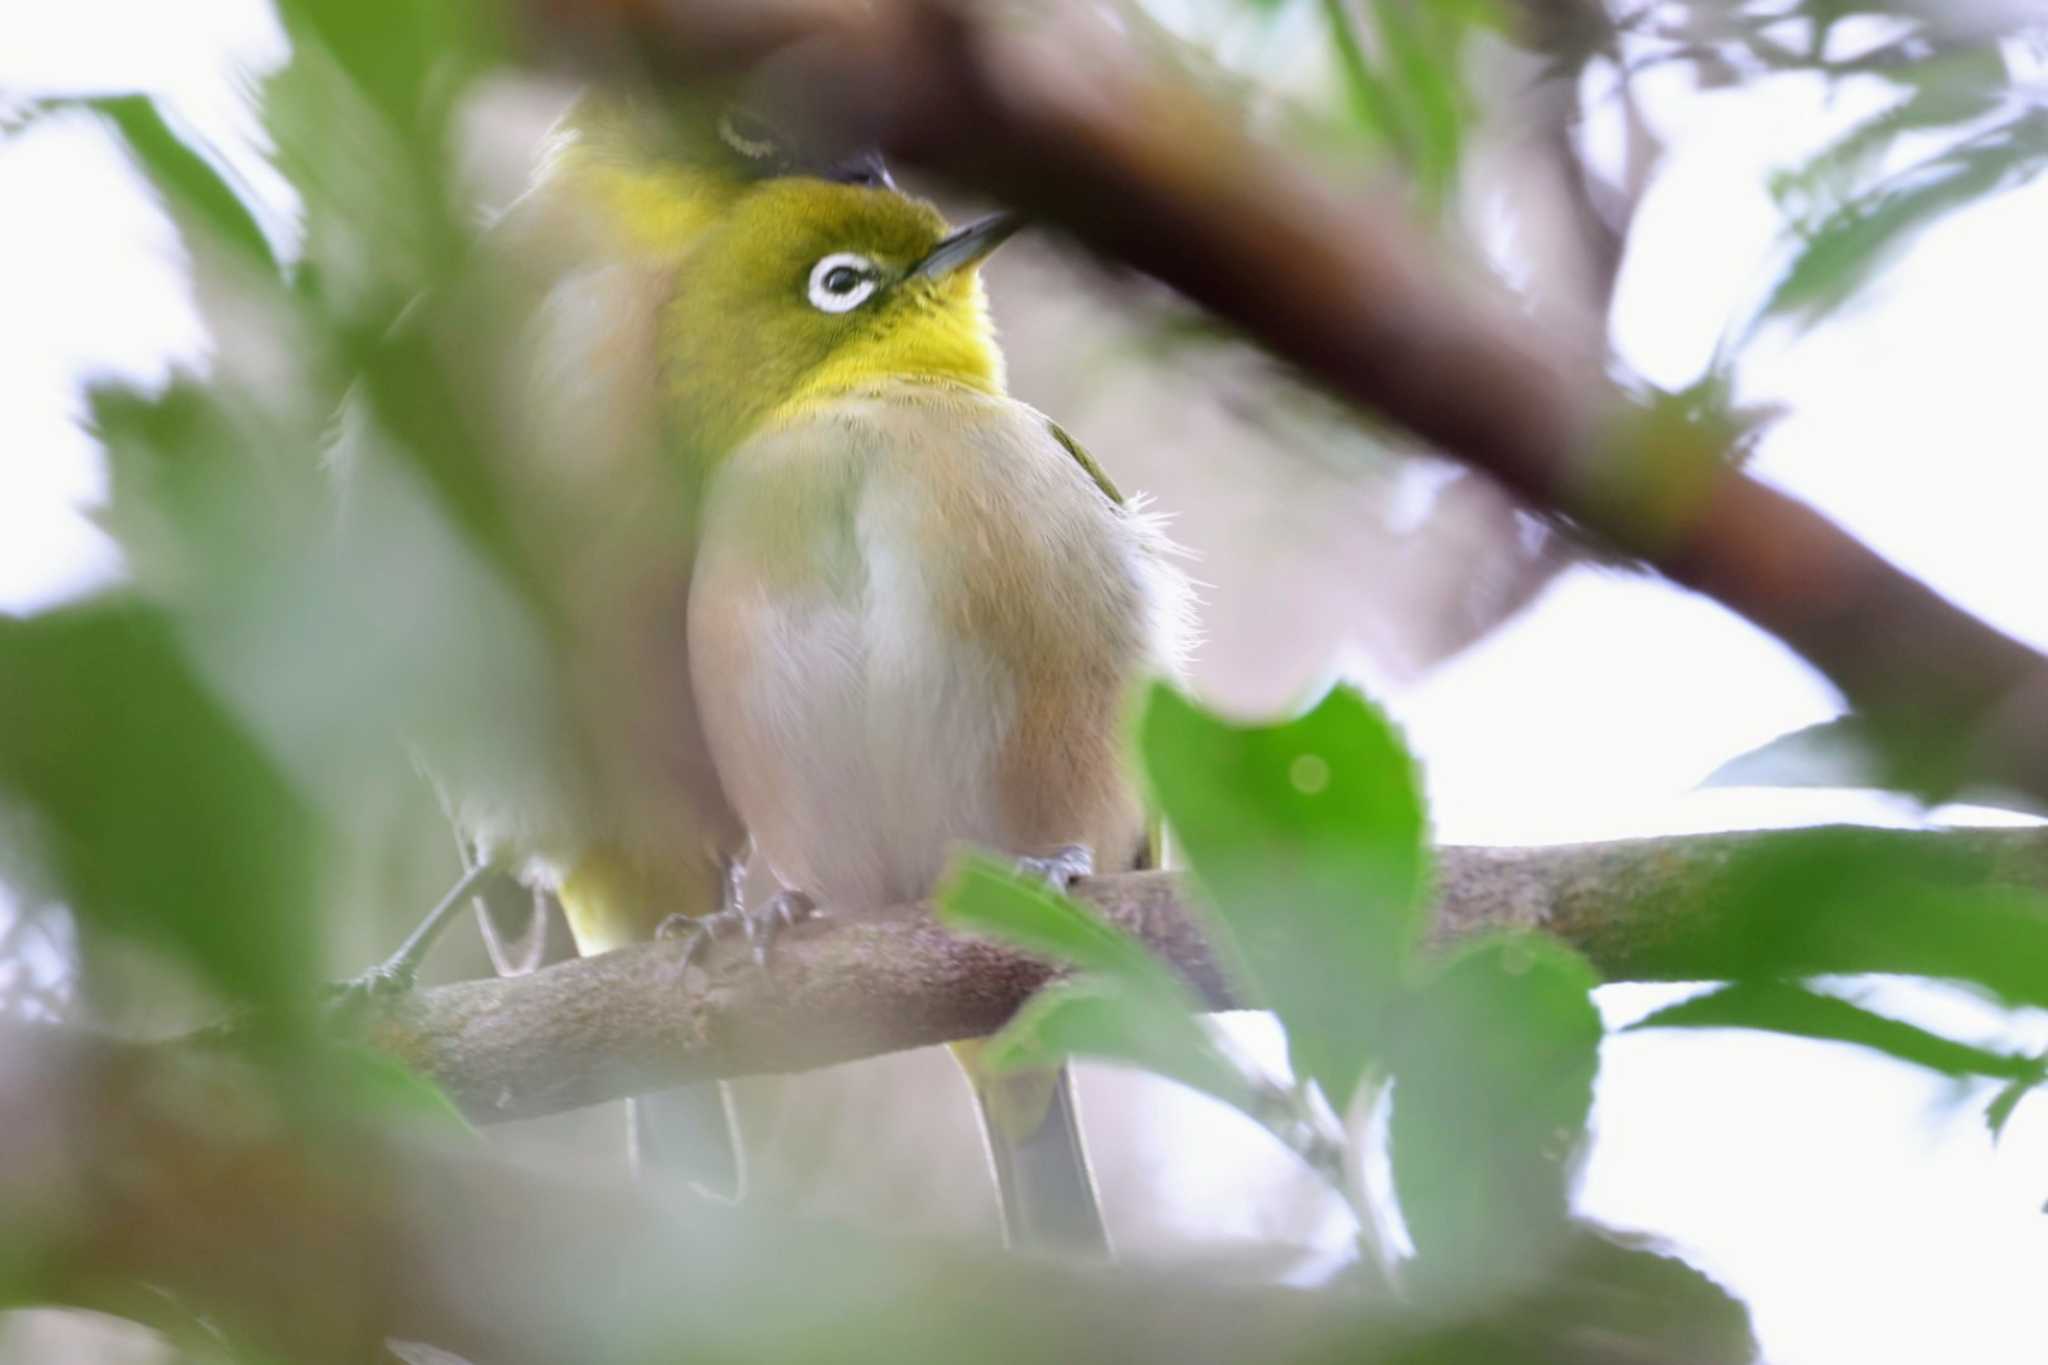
(1086, 462)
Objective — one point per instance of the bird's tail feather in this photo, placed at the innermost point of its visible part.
(688, 1133)
(1032, 1127)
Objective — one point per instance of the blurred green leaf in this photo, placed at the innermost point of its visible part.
(192, 501)
(1851, 206)
(407, 56)
(411, 386)
(1601, 1296)
(1948, 89)
(340, 641)
(1838, 254)
(1412, 99)
(160, 818)
(1104, 1019)
(363, 117)
(1835, 753)
(2000, 1111)
(983, 896)
(1308, 839)
(1425, 46)
(1777, 1007)
(1372, 106)
(1849, 751)
(392, 316)
(1127, 1006)
(185, 178)
(360, 1080)
(1493, 1064)
(1858, 901)
(1620, 1287)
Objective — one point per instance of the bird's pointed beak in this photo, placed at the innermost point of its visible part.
(969, 246)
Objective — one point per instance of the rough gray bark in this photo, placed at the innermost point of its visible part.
(637, 1020)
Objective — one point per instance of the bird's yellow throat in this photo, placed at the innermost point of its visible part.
(749, 343)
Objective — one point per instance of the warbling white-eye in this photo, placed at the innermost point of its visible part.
(902, 612)
(919, 610)
(625, 821)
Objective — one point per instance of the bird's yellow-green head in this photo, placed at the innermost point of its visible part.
(804, 291)
(660, 171)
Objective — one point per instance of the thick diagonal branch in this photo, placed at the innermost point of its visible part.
(638, 1020)
(1146, 173)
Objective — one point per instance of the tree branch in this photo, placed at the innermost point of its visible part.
(637, 1020)
(1145, 173)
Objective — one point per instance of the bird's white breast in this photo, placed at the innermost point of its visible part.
(857, 697)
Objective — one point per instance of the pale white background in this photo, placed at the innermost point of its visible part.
(1859, 1207)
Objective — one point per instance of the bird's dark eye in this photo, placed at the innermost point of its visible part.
(842, 282)
(865, 169)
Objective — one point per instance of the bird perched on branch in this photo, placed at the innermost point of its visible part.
(657, 184)
(861, 607)
(919, 609)
(620, 817)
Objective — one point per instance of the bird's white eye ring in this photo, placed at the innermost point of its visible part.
(752, 148)
(843, 282)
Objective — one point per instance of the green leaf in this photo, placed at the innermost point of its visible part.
(191, 499)
(365, 1080)
(1493, 1070)
(1412, 100)
(1599, 1296)
(1308, 839)
(1425, 53)
(1126, 1007)
(157, 815)
(363, 120)
(1999, 1112)
(1850, 901)
(983, 896)
(399, 52)
(1096, 1017)
(1838, 255)
(1609, 1296)
(1372, 107)
(1951, 90)
(186, 179)
(1849, 751)
(1777, 1007)
(412, 385)
(1834, 753)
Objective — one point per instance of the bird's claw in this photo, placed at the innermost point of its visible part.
(379, 985)
(1061, 868)
(784, 910)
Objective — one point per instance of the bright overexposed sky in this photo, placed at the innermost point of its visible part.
(1860, 1207)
